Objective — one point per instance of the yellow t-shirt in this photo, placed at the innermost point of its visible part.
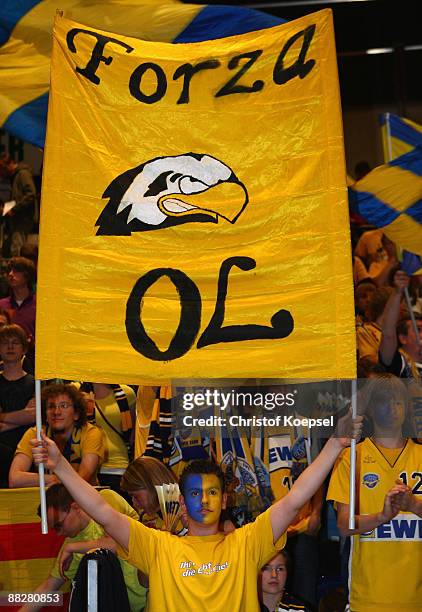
(84, 440)
(94, 531)
(212, 573)
(386, 563)
(116, 456)
(368, 338)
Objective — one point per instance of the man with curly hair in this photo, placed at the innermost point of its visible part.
(65, 421)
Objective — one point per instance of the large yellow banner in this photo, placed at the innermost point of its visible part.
(194, 217)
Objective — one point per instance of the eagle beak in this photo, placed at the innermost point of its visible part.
(226, 200)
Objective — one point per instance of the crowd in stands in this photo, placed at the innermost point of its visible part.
(92, 428)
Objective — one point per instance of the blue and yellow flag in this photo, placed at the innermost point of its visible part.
(411, 263)
(194, 216)
(25, 43)
(390, 197)
(399, 135)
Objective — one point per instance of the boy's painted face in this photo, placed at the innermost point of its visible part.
(203, 498)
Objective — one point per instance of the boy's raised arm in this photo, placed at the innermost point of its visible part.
(285, 510)
(115, 523)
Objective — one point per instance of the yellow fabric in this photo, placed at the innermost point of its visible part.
(94, 531)
(391, 454)
(397, 199)
(215, 573)
(385, 572)
(116, 456)
(89, 439)
(284, 145)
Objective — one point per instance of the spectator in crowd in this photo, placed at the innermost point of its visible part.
(368, 335)
(363, 294)
(386, 555)
(24, 214)
(139, 482)
(400, 348)
(370, 248)
(17, 388)
(21, 276)
(378, 270)
(210, 570)
(82, 535)
(64, 415)
(112, 409)
(30, 251)
(271, 586)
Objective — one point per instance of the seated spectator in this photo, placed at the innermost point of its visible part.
(21, 276)
(139, 482)
(271, 586)
(113, 409)
(65, 421)
(17, 388)
(82, 535)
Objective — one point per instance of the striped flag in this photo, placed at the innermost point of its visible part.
(26, 556)
(399, 135)
(25, 44)
(390, 197)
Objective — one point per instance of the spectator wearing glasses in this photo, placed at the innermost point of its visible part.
(272, 586)
(65, 421)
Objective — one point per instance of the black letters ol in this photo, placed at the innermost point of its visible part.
(190, 316)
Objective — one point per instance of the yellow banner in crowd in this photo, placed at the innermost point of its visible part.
(194, 216)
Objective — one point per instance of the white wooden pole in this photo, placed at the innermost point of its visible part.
(352, 483)
(38, 423)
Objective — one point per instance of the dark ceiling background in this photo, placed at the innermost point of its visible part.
(391, 79)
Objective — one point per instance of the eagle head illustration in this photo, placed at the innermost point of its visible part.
(168, 191)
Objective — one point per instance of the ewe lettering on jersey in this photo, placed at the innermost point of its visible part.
(404, 527)
(280, 455)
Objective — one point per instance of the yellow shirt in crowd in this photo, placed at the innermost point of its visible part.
(216, 573)
(386, 563)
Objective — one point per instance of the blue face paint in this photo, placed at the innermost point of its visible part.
(203, 498)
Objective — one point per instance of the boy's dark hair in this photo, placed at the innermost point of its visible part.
(26, 266)
(14, 331)
(402, 328)
(75, 395)
(57, 497)
(201, 466)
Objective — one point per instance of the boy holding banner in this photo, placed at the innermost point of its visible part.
(206, 566)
